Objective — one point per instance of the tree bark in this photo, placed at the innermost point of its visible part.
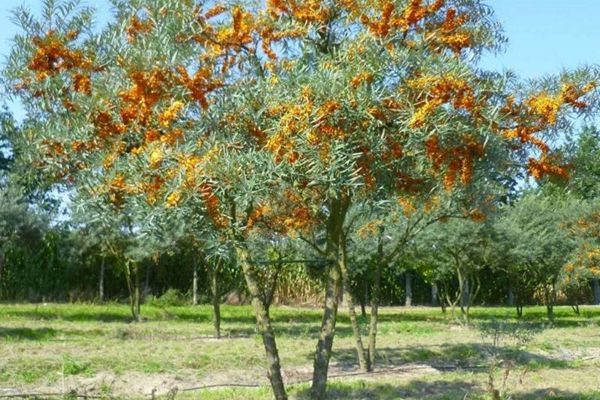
(133, 284)
(325, 343)
(596, 290)
(375, 299)
(332, 296)
(360, 349)
(101, 281)
(263, 322)
(215, 299)
(408, 289)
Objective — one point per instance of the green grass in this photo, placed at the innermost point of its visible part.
(96, 348)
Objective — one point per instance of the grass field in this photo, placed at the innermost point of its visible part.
(422, 354)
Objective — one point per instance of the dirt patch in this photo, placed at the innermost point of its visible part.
(130, 384)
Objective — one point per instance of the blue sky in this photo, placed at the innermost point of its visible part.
(545, 36)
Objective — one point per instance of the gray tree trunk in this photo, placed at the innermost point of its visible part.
(195, 283)
(263, 323)
(408, 289)
(216, 300)
(465, 294)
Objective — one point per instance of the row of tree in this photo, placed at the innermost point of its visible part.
(353, 137)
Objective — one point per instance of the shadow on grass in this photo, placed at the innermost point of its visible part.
(294, 321)
(417, 389)
(27, 333)
(557, 394)
(467, 356)
(52, 314)
(435, 389)
(45, 333)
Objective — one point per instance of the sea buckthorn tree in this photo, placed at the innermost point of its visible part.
(281, 113)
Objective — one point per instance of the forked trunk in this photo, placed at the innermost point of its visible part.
(263, 323)
(332, 295)
(575, 307)
(133, 286)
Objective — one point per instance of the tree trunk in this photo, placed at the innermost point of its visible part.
(325, 343)
(550, 312)
(194, 280)
(575, 308)
(408, 289)
(101, 281)
(596, 290)
(332, 295)
(519, 310)
(215, 299)
(263, 322)
(434, 294)
(195, 287)
(133, 284)
(465, 294)
(360, 349)
(550, 301)
(136, 269)
(375, 299)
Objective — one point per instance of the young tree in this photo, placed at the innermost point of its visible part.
(538, 229)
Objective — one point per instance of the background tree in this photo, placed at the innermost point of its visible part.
(537, 227)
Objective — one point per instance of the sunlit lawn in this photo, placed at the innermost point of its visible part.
(95, 349)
